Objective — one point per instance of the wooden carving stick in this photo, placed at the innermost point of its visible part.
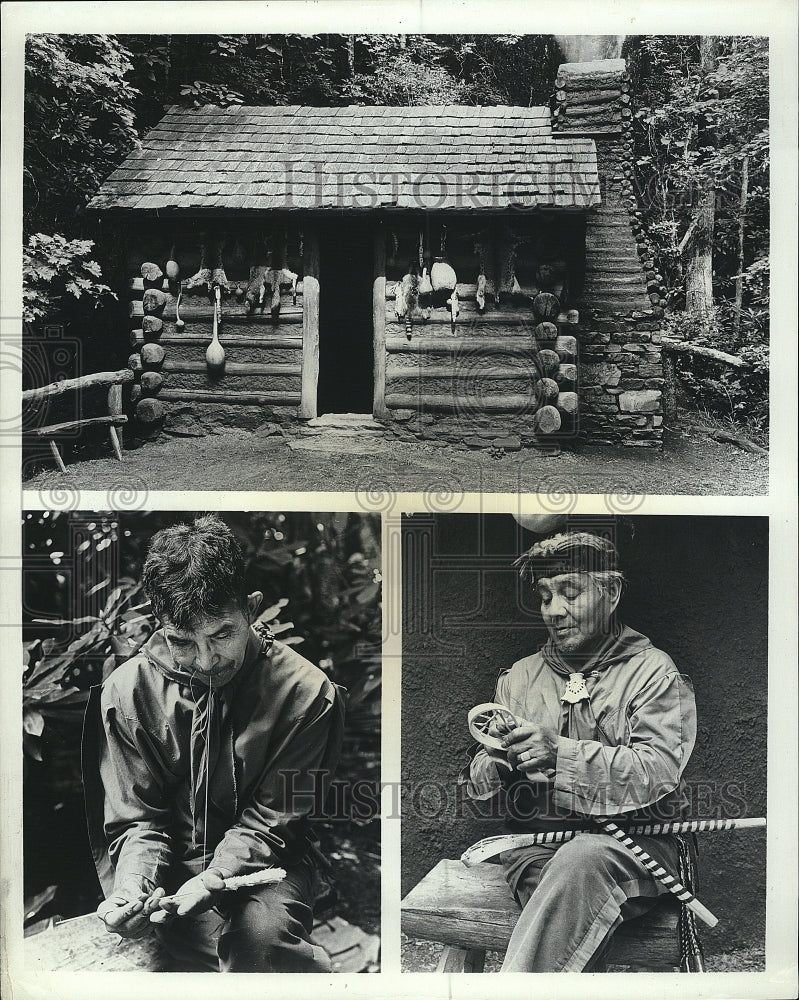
(685, 896)
(489, 847)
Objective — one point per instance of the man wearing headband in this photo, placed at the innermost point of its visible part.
(606, 726)
(203, 755)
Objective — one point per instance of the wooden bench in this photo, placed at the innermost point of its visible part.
(471, 911)
(114, 421)
(82, 944)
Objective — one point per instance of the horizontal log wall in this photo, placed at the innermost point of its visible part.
(261, 377)
(479, 379)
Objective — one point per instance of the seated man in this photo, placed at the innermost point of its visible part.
(202, 756)
(606, 724)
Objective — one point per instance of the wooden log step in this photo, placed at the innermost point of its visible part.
(604, 95)
(230, 397)
(583, 131)
(581, 76)
(577, 111)
(516, 403)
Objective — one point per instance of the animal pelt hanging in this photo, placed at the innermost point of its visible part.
(269, 275)
(406, 299)
(209, 276)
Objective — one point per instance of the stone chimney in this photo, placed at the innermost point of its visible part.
(622, 299)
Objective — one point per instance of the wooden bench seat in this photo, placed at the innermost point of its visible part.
(471, 911)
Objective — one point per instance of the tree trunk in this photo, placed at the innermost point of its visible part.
(699, 269)
(739, 281)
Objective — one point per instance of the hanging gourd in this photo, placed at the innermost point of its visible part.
(179, 324)
(442, 274)
(215, 353)
(172, 267)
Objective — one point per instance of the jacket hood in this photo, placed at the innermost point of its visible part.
(621, 644)
(156, 651)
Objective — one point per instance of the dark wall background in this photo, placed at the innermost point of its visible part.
(697, 588)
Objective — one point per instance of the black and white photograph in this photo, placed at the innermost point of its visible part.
(584, 736)
(350, 256)
(398, 508)
(201, 728)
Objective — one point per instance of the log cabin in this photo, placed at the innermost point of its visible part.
(477, 275)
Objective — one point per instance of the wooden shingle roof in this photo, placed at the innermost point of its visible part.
(442, 157)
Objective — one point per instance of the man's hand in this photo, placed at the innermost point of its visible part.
(196, 895)
(126, 911)
(532, 747)
(501, 724)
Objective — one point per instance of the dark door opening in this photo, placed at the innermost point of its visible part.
(346, 352)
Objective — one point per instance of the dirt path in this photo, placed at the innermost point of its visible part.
(691, 463)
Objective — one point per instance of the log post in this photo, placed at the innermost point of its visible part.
(310, 323)
(379, 321)
(59, 461)
(115, 410)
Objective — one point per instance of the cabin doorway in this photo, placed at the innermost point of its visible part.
(346, 351)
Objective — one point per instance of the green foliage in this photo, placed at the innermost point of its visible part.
(55, 269)
(693, 129)
(79, 123)
(740, 396)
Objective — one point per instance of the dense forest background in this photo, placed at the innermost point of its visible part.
(84, 614)
(701, 132)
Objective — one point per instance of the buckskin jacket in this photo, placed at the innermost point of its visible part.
(178, 776)
(620, 752)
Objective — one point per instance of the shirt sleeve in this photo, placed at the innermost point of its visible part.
(136, 810)
(270, 828)
(598, 780)
(484, 779)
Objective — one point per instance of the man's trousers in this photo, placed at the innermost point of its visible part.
(264, 928)
(574, 896)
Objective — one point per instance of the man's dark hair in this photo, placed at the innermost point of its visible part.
(194, 571)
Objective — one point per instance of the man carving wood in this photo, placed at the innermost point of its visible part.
(609, 725)
(203, 755)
